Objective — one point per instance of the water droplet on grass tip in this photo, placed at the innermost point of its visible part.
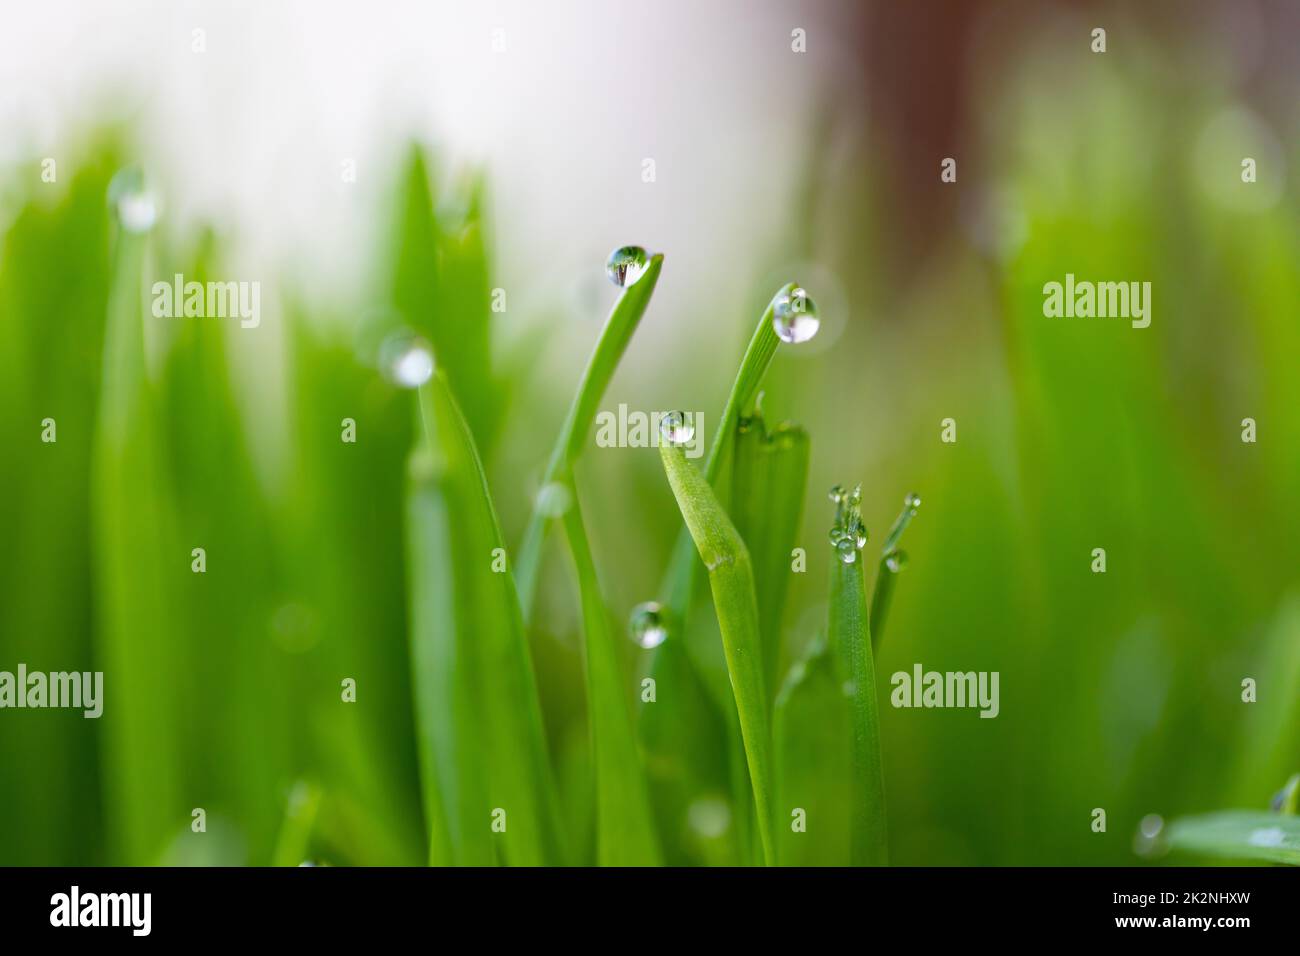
(1147, 840)
(848, 534)
(646, 625)
(406, 359)
(626, 264)
(133, 204)
(676, 428)
(554, 499)
(794, 316)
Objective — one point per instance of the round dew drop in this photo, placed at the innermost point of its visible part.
(407, 360)
(135, 207)
(646, 625)
(794, 316)
(626, 264)
(675, 428)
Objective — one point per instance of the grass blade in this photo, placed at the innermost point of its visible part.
(133, 540)
(732, 579)
(453, 777)
(300, 812)
(508, 709)
(769, 478)
(753, 367)
(810, 725)
(1244, 835)
(850, 642)
(892, 562)
(625, 834)
(622, 322)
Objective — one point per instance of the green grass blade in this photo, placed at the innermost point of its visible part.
(732, 578)
(294, 840)
(509, 711)
(625, 834)
(769, 478)
(1244, 835)
(622, 322)
(453, 776)
(811, 726)
(138, 565)
(892, 562)
(753, 367)
(850, 642)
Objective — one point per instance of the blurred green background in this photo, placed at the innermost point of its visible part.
(1119, 690)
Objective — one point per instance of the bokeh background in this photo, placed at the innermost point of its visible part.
(1119, 690)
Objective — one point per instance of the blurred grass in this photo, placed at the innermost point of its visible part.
(1120, 690)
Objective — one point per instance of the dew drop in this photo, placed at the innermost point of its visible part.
(646, 625)
(1147, 841)
(132, 202)
(554, 499)
(710, 817)
(406, 359)
(794, 316)
(676, 428)
(895, 561)
(626, 264)
(848, 534)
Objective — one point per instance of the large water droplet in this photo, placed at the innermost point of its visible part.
(676, 428)
(647, 624)
(895, 561)
(133, 203)
(406, 359)
(794, 316)
(626, 264)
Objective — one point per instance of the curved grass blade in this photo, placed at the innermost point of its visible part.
(622, 322)
(1245, 835)
(732, 579)
(625, 832)
(753, 367)
(892, 562)
(850, 642)
(507, 706)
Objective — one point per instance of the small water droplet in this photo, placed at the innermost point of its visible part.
(646, 624)
(1147, 840)
(848, 534)
(794, 316)
(406, 359)
(676, 428)
(626, 264)
(554, 499)
(132, 201)
(911, 504)
(895, 561)
(912, 501)
(709, 817)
